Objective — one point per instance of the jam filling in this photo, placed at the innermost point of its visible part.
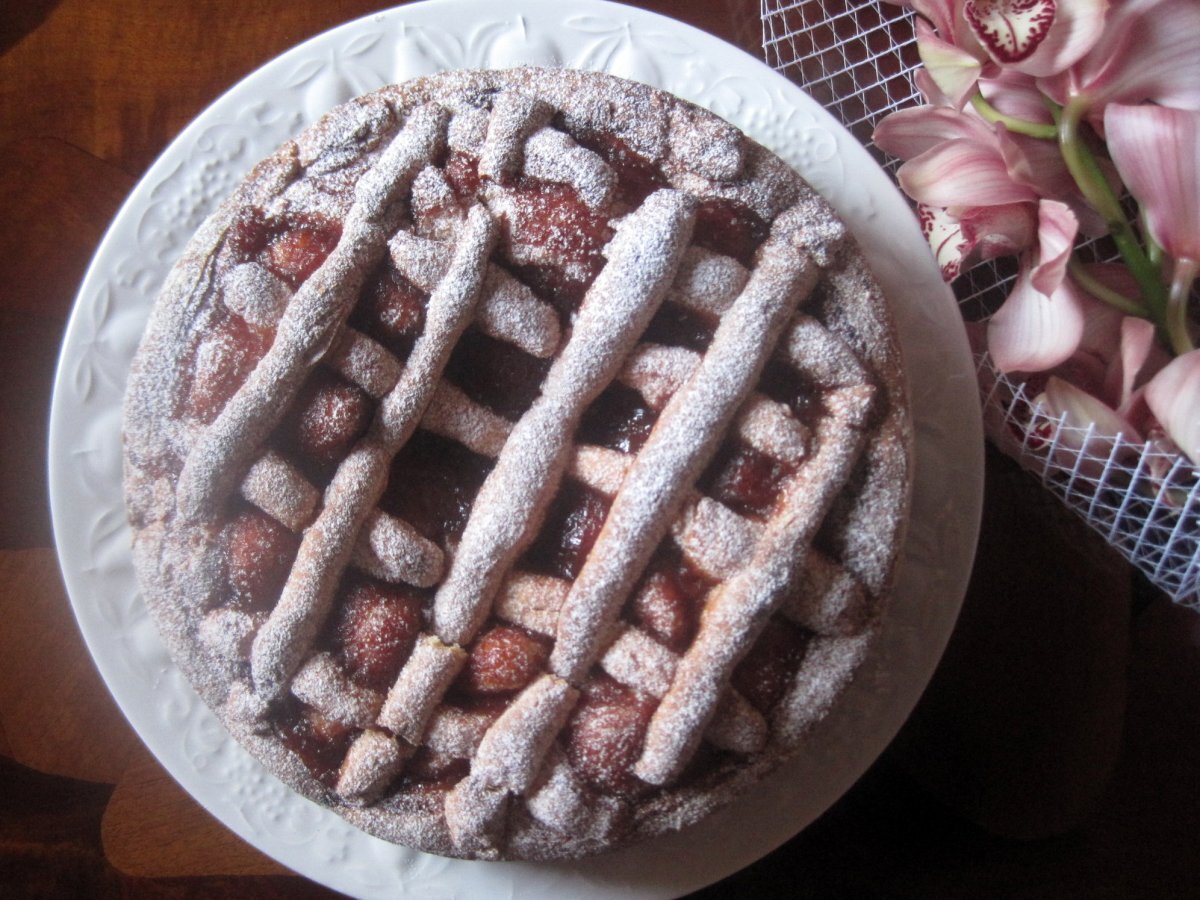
(373, 629)
(666, 603)
(259, 553)
(675, 326)
(292, 247)
(605, 734)
(618, 419)
(432, 485)
(745, 480)
(572, 524)
(502, 660)
(320, 743)
(637, 177)
(496, 374)
(325, 421)
(391, 309)
(785, 385)
(729, 228)
(766, 671)
(222, 364)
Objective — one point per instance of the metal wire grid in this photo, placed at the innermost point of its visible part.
(856, 57)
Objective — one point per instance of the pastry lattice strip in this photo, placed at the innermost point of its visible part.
(740, 727)
(737, 609)
(311, 321)
(642, 261)
(651, 494)
(325, 550)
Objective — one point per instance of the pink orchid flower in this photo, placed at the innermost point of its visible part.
(1157, 153)
(1173, 396)
(1088, 428)
(1036, 37)
(965, 40)
(1042, 320)
(1148, 51)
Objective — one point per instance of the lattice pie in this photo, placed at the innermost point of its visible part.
(517, 461)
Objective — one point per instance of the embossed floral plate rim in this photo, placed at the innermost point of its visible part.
(206, 161)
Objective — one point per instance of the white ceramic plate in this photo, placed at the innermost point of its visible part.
(203, 165)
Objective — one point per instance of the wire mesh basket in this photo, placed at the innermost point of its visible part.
(857, 57)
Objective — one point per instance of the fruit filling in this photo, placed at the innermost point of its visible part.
(496, 374)
(729, 228)
(572, 524)
(373, 628)
(432, 485)
(667, 602)
(324, 422)
(292, 248)
(258, 553)
(784, 384)
(618, 419)
(605, 733)
(391, 310)
(321, 743)
(222, 364)
(503, 660)
(768, 668)
(675, 326)
(745, 480)
(638, 178)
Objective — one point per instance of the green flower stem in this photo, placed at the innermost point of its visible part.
(1177, 305)
(1091, 181)
(1018, 126)
(1153, 250)
(1102, 291)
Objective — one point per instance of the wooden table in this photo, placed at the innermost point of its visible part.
(1057, 752)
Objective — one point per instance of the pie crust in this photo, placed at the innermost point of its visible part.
(517, 462)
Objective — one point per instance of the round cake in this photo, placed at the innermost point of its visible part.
(517, 462)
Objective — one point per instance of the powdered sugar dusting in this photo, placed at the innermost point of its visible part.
(551, 155)
(680, 445)
(642, 260)
(392, 550)
(279, 489)
(375, 166)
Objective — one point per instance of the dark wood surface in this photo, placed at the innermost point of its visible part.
(1056, 753)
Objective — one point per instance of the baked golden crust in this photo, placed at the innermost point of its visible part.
(517, 462)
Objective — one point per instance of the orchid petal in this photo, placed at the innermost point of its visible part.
(1086, 427)
(1033, 331)
(928, 89)
(1157, 152)
(947, 18)
(1078, 25)
(1057, 228)
(954, 70)
(961, 173)
(992, 231)
(1010, 30)
(1140, 356)
(1016, 94)
(910, 132)
(1148, 51)
(940, 13)
(945, 238)
(1173, 395)
(1079, 409)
